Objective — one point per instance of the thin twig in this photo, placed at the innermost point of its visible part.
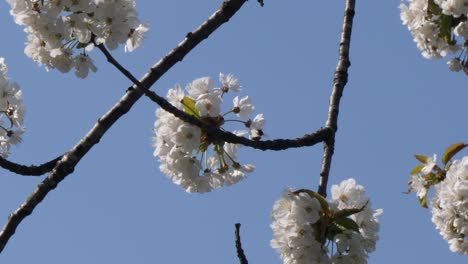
(214, 132)
(240, 251)
(339, 81)
(218, 134)
(31, 170)
(68, 162)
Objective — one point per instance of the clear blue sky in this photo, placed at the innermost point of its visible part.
(118, 208)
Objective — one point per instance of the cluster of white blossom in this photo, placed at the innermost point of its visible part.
(302, 226)
(419, 181)
(449, 206)
(11, 112)
(439, 28)
(187, 154)
(56, 27)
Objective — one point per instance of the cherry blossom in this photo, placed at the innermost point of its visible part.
(187, 154)
(308, 229)
(57, 28)
(11, 112)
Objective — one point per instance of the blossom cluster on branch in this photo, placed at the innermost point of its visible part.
(310, 230)
(439, 28)
(56, 28)
(187, 154)
(449, 207)
(11, 112)
(449, 204)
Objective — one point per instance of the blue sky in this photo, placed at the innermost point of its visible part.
(118, 208)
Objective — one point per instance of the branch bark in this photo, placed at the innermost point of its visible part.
(239, 250)
(68, 161)
(31, 170)
(339, 81)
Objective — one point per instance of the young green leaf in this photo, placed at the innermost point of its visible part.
(189, 106)
(421, 158)
(423, 200)
(349, 211)
(346, 224)
(417, 169)
(452, 151)
(445, 29)
(433, 9)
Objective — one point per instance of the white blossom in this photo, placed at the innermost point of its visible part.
(11, 112)
(297, 227)
(135, 37)
(187, 155)
(350, 195)
(242, 107)
(418, 184)
(454, 8)
(437, 29)
(429, 164)
(449, 207)
(229, 82)
(83, 64)
(256, 126)
(293, 217)
(56, 28)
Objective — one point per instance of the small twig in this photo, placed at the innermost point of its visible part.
(31, 170)
(240, 251)
(212, 131)
(67, 163)
(339, 81)
(216, 133)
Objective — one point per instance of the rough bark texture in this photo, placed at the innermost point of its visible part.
(339, 81)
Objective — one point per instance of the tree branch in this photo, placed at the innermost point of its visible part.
(68, 161)
(339, 81)
(240, 251)
(32, 170)
(218, 134)
(213, 131)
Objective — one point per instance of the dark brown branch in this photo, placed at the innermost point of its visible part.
(339, 81)
(214, 132)
(67, 163)
(31, 170)
(240, 251)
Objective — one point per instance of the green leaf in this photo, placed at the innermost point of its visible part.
(443, 21)
(189, 106)
(452, 151)
(421, 158)
(349, 211)
(433, 8)
(417, 169)
(445, 29)
(346, 224)
(423, 200)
